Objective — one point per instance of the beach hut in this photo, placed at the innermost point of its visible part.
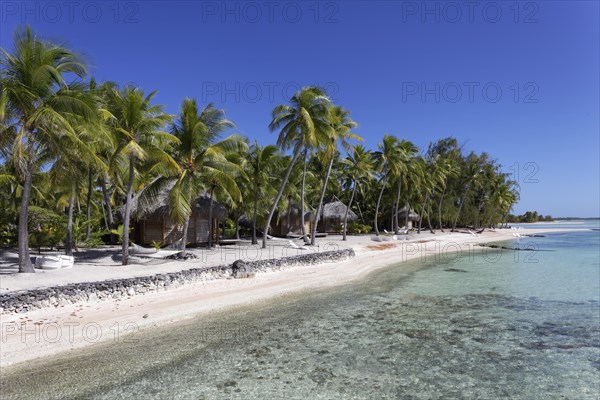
(412, 217)
(153, 224)
(332, 217)
(290, 222)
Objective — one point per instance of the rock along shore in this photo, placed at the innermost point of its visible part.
(23, 301)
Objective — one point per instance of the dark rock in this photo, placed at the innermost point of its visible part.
(241, 269)
(181, 257)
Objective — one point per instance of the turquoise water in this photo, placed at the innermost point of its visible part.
(518, 325)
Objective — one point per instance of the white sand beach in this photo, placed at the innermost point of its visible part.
(47, 331)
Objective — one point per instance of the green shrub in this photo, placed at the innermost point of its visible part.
(358, 228)
(92, 243)
(156, 245)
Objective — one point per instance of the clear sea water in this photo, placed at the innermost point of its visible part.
(499, 325)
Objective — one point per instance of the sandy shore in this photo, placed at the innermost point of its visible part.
(49, 331)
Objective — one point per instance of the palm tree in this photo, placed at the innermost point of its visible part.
(359, 168)
(436, 170)
(137, 123)
(386, 161)
(34, 107)
(448, 155)
(202, 158)
(303, 126)
(426, 187)
(405, 150)
(472, 173)
(98, 139)
(341, 124)
(200, 154)
(261, 163)
(413, 177)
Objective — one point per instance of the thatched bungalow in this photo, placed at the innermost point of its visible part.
(155, 224)
(291, 223)
(412, 217)
(332, 216)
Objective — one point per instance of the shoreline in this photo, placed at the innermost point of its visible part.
(48, 331)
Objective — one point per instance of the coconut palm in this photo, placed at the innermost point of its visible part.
(436, 171)
(303, 126)
(202, 158)
(413, 177)
(136, 124)
(472, 173)
(341, 124)
(387, 164)
(35, 107)
(359, 169)
(260, 167)
(405, 150)
(447, 155)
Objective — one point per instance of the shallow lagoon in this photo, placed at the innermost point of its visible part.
(484, 326)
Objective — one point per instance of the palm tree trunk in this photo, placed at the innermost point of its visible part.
(237, 226)
(126, 217)
(278, 197)
(505, 220)
(462, 202)
(320, 208)
(477, 220)
(24, 259)
(104, 217)
(429, 219)
(362, 217)
(407, 213)
(111, 218)
(210, 220)
(88, 231)
(422, 212)
(396, 227)
(184, 234)
(440, 209)
(302, 205)
(254, 241)
(69, 239)
(347, 210)
(288, 216)
(377, 207)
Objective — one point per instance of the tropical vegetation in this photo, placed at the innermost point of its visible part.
(74, 153)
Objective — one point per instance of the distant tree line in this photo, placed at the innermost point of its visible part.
(530, 216)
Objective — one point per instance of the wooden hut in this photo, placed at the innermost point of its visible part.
(154, 224)
(412, 217)
(332, 217)
(290, 223)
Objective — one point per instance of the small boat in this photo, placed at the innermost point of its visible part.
(54, 262)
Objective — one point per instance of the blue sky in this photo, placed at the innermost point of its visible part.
(517, 80)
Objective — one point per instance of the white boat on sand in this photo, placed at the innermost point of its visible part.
(54, 262)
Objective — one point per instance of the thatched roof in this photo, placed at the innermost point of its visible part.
(294, 210)
(160, 208)
(411, 216)
(337, 209)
